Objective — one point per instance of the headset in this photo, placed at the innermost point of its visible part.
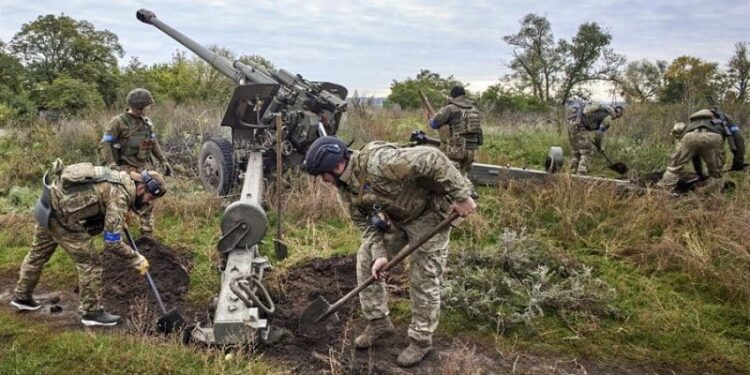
(152, 185)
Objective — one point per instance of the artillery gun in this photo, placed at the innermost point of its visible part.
(263, 98)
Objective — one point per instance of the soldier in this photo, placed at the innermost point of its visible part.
(84, 201)
(129, 143)
(703, 137)
(395, 195)
(587, 129)
(463, 135)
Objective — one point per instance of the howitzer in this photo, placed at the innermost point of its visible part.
(308, 110)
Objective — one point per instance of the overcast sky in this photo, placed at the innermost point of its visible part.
(365, 45)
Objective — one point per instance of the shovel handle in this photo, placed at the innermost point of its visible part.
(402, 254)
(150, 281)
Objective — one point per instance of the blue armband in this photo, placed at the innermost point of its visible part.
(433, 124)
(602, 130)
(734, 129)
(111, 238)
(108, 138)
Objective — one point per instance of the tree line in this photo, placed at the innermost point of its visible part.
(545, 71)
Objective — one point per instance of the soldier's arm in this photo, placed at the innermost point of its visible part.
(428, 167)
(442, 117)
(738, 154)
(156, 150)
(114, 218)
(606, 124)
(111, 135)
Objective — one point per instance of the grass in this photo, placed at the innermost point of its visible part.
(680, 267)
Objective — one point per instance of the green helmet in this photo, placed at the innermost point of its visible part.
(139, 98)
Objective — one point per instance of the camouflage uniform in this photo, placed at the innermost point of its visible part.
(702, 138)
(451, 143)
(414, 187)
(78, 212)
(129, 143)
(585, 129)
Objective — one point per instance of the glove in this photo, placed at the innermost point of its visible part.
(167, 169)
(140, 263)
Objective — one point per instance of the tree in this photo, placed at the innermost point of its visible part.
(497, 99)
(13, 87)
(68, 96)
(643, 81)
(586, 58)
(739, 72)
(553, 71)
(689, 79)
(52, 46)
(535, 59)
(436, 89)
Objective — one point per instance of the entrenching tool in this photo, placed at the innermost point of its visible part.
(169, 321)
(618, 167)
(279, 247)
(320, 309)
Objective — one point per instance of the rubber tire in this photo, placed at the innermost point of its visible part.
(221, 150)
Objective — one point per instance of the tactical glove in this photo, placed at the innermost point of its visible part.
(140, 263)
(167, 169)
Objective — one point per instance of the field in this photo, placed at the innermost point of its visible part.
(560, 277)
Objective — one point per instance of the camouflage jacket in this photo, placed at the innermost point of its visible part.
(91, 207)
(403, 182)
(450, 114)
(597, 117)
(130, 140)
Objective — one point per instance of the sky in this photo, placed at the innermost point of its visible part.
(365, 45)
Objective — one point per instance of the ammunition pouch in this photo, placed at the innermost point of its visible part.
(379, 220)
(43, 206)
(455, 148)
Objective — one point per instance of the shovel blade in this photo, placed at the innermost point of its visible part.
(280, 249)
(309, 324)
(620, 168)
(170, 322)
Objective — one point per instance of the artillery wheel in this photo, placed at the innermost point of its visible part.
(554, 161)
(216, 165)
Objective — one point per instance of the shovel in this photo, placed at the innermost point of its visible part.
(618, 167)
(169, 321)
(279, 247)
(320, 309)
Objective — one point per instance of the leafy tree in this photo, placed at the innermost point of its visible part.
(68, 96)
(689, 79)
(643, 81)
(555, 71)
(739, 72)
(13, 84)
(435, 87)
(52, 46)
(497, 99)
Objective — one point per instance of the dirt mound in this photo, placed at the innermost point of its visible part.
(123, 287)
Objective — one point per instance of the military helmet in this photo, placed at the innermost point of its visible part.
(139, 98)
(703, 114)
(154, 181)
(618, 109)
(678, 129)
(324, 155)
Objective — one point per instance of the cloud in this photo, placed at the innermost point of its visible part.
(365, 45)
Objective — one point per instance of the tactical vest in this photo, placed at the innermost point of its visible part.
(76, 201)
(141, 140)
(469, 126)
(402, 204)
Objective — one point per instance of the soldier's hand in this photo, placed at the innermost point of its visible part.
(465, 207)
(167, 169)
(140, 263)
(376, 266)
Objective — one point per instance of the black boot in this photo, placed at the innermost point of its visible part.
(99, 318)
(27, 304)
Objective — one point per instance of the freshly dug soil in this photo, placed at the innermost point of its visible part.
(124, 287)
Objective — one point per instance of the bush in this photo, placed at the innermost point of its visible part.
(495, 99)
(69, 96)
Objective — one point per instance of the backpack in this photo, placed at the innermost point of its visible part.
(471, 126)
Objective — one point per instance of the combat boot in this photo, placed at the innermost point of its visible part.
(375, 329)
(99, 318)
(414, 353)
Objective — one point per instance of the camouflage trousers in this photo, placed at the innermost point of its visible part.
(426, 268)
(580, 148)
(709, 146)
(146, 213)
(79, 247)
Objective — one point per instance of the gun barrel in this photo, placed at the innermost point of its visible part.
(220, 63)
